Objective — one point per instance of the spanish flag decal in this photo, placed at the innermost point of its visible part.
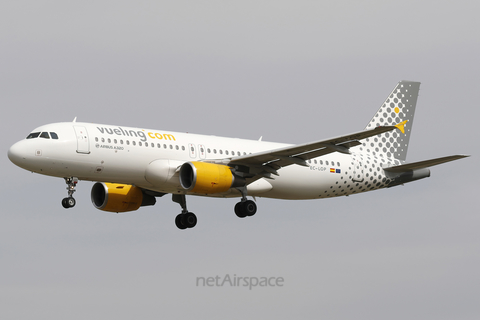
(332, 170)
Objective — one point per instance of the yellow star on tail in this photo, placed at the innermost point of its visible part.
(401, 126)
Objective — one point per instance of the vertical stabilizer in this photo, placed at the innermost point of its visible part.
(398, 110)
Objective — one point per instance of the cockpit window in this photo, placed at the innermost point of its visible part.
(44, 135)
(33, 135)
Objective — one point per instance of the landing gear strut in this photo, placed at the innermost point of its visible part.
(69, 202)
(185, 219)
(245, 208)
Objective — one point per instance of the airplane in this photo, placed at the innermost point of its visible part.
(131, 167)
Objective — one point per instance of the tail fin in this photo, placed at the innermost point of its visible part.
(398, 110)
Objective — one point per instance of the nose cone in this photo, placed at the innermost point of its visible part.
(17, 154)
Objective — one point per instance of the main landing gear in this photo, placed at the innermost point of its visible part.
(69, 202)
(245, 208)
(185, 219)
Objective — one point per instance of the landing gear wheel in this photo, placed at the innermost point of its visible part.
(189, 219)
(249, 208)
(239, 210)
(68, 202)
(178, 222)
(245, 208)
(186, 220)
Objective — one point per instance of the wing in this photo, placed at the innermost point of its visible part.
(266, 163)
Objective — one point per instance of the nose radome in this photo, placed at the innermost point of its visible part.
(16, 153)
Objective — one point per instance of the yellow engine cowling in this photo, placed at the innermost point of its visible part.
(208, 178)
(115, 197)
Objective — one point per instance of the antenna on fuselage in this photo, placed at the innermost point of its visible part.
(75, 120)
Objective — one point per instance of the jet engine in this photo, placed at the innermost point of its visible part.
(208, 178)
(115, 197)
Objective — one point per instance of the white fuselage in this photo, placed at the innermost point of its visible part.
(97, 152)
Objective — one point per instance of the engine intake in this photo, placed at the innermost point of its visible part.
(115, 197)
(208, 178)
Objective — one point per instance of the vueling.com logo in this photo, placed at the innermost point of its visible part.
(136, 133)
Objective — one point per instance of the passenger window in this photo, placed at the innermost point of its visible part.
(53, 135)
(159, 145)
(109, 140)
(96, 139)
(164, 146)
(121, 141)
(176, 147)
(115, 141)
(33, 135)
(44, 135)
(134, 143)
(128, 142)
(215, 151)
(183, 148)
(171, 147)
(226, 152)
(220, 151)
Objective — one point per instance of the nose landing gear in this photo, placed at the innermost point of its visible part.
(69, 202)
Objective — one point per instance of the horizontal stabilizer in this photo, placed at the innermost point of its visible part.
(423, 164)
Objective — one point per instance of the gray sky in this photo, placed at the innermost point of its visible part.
(290, 71)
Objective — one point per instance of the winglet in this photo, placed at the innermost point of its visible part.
(401, 126)
(75, 120)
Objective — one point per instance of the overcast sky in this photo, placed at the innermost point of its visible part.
(290, 71)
